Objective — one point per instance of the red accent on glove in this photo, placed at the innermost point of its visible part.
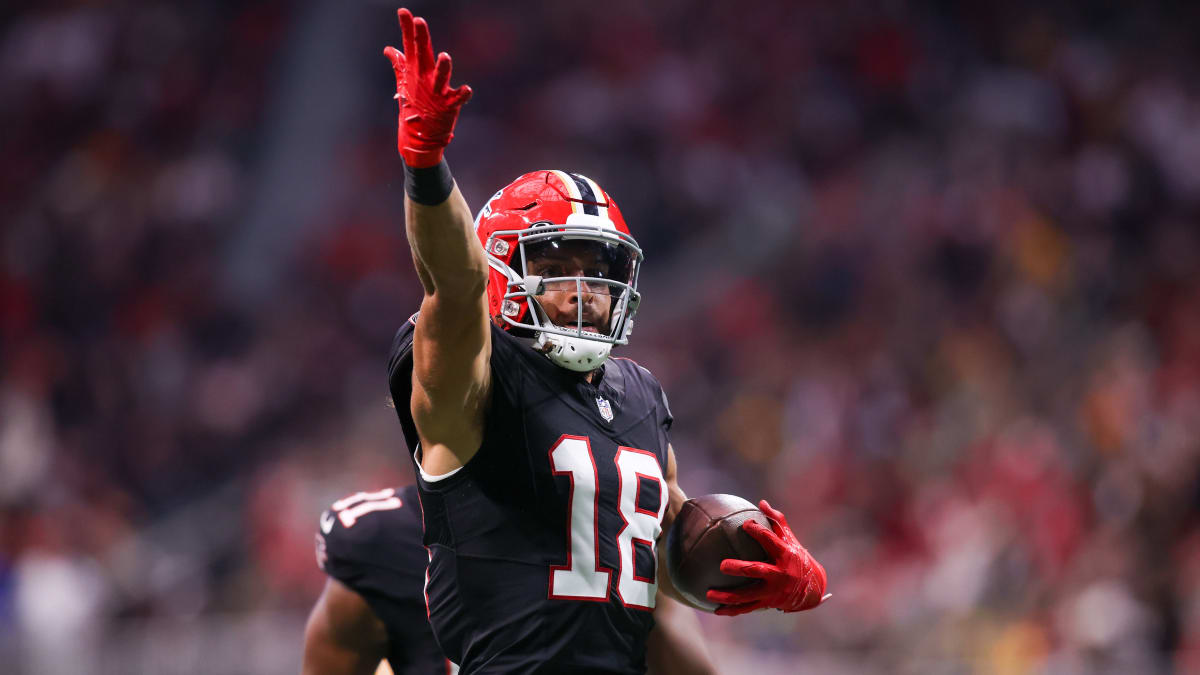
(428, 106)
(794, 583)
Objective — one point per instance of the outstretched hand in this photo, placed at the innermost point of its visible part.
(795, 582)
(428, 106)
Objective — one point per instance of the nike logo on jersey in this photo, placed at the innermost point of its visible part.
(326, 522)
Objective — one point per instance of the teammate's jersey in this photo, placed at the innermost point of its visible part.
(371, 542)
(542, 546)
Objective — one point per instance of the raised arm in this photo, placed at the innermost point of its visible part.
(452, 342)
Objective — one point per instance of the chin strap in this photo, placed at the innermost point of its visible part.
(578, 354)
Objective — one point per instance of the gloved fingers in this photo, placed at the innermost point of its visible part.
(752, 569)
(778, 520)
(407, 31)
(397, 58)
(740, 596)
(423, 45)
(460, 96)
(441, 76)
(771, 543)
(735, 610)
(771, 511)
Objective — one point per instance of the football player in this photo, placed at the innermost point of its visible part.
(544, 467)
(373, 605)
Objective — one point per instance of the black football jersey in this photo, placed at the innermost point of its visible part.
(371, 542)
(542, 551)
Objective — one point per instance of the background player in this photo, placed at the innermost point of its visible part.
(513, 449)
(373, 606)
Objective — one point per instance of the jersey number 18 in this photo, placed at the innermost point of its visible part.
(582, 578)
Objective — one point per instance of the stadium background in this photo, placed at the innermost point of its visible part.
(926, 276)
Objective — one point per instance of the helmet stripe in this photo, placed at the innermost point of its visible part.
(571, 187)
(601, 198)
(586, 194)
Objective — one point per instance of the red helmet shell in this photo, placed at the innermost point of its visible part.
(546, 196)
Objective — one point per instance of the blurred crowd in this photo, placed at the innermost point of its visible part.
(926, 277)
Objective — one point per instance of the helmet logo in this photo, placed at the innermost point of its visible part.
(605, 408)
(500, 247)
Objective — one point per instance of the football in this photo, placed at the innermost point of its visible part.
(706, 531)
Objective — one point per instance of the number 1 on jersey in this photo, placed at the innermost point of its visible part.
(582, 578)
(359, 504)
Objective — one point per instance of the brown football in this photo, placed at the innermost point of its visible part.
(706, 531)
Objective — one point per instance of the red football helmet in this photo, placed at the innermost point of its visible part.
(547, 209)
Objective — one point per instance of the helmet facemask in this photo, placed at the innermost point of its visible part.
(584, 257)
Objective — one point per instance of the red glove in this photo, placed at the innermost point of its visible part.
(428, 106)
(795, 582)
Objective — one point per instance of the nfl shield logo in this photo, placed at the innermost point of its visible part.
(605, 408)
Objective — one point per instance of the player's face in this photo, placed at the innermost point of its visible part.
(563, 298)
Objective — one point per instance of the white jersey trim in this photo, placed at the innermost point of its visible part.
(428, 477)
